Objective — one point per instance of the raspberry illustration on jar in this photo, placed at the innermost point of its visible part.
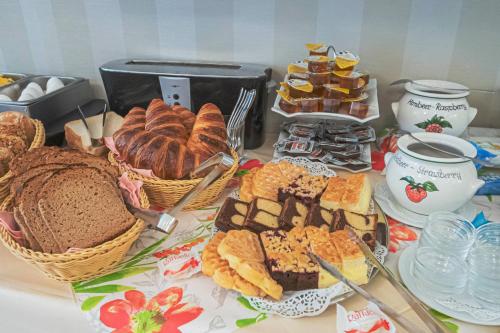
(416, 192)
(435, 125)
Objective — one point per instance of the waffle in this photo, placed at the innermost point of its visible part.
(291, 171)
(246, 186)
(267, 181)
(216, 267)
(241, 248)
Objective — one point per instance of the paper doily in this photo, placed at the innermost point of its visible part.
(314, 168)
(474, 310)
(312, 302)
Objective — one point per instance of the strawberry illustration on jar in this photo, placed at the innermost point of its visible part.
(435, 124)
(416, 192)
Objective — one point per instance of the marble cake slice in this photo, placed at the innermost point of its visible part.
(231, 215)
(263, 214)
(294, 214)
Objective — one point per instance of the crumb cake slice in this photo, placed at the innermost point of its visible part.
(294, 214)
(354, 265)
(231, 215)
(306, 188)
(263, 215)
(288, 261)
(332, 196)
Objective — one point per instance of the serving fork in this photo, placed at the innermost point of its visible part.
(235, 126)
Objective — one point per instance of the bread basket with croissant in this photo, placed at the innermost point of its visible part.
(18, 133)
(172, 142)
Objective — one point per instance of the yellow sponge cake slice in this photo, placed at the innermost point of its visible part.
(358, 194)
(354, 265)
(352, 194)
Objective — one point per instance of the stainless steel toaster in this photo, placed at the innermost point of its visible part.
(134, 82)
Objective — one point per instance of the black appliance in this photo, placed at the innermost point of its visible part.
(134, 82)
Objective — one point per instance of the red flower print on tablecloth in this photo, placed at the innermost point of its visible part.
(164, 313)
(398, 233)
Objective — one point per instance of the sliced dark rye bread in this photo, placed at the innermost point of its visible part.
(35, 226)
(28, 208)
(56, 155)
(32, 242)
(19, 181)
(81, 210)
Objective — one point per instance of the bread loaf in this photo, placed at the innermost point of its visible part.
(161, 138)
(16, 134)
(64, 199)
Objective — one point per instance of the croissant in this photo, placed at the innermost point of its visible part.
(171, 141)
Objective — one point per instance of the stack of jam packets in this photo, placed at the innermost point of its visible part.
(334, 144)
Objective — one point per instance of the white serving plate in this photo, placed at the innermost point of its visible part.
(312, 302)
(373, 110)
(366, 155)
(391, 207)
(459, 307)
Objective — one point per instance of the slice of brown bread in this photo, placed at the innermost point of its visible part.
(81, 210)
(19, 181)
(56, 155)
(32, 242)
(28, 207)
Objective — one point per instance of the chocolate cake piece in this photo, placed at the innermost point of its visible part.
(288, 262)
(231, 215)
(305, 188)
(319, 217)
(263, 215)
(294, 214)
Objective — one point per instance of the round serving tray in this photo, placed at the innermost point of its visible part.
(312, 302)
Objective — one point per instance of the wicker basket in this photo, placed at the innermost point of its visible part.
(38, 141)
(166, 193)
(80, 265)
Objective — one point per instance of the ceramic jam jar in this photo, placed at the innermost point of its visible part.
(434, 106)
(424, 180)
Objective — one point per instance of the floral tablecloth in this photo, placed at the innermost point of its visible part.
(158, 288)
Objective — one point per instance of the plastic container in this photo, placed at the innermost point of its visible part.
(317, 64)
(311, 104)
(350, 79)
(345, 61)
(333, 90)
(319, 79)
(289, 106)
(299, 88)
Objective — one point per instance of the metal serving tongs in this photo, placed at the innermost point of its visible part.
(165, 221)
(420, 309)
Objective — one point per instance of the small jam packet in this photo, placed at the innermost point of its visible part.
(367, 320)
(295, 147)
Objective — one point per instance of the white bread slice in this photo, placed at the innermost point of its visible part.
(78, 137)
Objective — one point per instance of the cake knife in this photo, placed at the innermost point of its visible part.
(389, 311)
(433, 324)
(165, 221)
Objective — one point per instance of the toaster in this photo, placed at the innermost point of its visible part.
(135, 82)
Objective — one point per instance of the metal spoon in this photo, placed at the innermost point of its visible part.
(473, 159)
